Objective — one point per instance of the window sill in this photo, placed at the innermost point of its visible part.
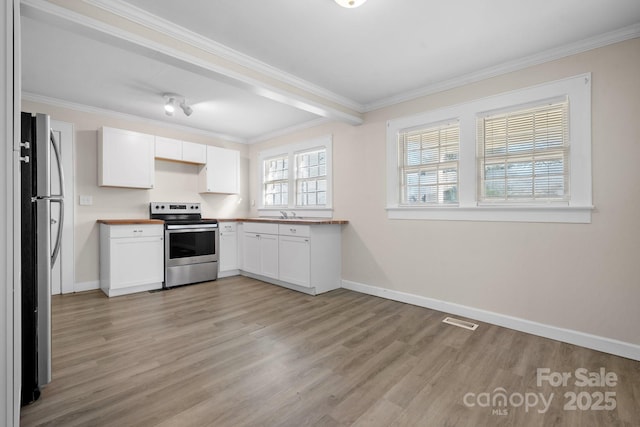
(300, 212)
(561, 214)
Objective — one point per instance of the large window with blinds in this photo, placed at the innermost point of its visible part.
(523, 155)
(429, 164)
(297, 178)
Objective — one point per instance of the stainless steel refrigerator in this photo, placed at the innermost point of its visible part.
(41, 163)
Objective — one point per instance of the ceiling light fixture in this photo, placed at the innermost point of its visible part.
(350, 4)
(170, 105)
(186, 109)
(171, 101)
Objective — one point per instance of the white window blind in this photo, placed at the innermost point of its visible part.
(523, 155)
(276, 181)
(311, 178)
(429, 164)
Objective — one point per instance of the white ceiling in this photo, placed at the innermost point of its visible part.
(358, 59)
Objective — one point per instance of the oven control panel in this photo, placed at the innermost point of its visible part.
(174, 208)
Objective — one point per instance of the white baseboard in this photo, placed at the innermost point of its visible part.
(607, 345)
(86, 286)
(228, 273)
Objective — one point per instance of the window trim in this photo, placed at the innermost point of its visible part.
(577, 210)
(290, 150)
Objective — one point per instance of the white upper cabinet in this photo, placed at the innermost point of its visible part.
(167, 148)
(181, 151)
(221, 172)
(125, 158)
(194, 153)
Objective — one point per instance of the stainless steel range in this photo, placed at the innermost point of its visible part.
(191, 243)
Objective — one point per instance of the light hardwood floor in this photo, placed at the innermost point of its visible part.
(239, 352)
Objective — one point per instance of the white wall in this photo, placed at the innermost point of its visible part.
(173, 182)
(9, 202)
(582, 277)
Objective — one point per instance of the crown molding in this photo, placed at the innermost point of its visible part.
(56, 102)
(156, 23)
(620, 35)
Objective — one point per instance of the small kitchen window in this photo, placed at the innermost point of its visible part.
(522, 156)
(276, 181)
(311, 178)
(297, 178)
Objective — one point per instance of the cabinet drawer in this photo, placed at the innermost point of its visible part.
(294, 230)
(228, 227)
(137, 230)
(260, 227)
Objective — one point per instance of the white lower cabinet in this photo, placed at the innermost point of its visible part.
(260, 249)
(306, 258)
(295, 260)
(131, 258)
(228, 264)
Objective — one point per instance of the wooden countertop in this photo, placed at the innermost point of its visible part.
(130, 221)
(297, 221)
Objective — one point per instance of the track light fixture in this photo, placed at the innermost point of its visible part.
(170, 105)
(187, 110)
(172, 100)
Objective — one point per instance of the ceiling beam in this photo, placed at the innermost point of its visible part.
(113, 22)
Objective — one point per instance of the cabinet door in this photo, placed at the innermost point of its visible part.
(125, 158)
(269, 255)
(167, 148)
(251, 253)
(228, 250)
(222, 171)
(194, 153)
(136, 261)
(295, 261)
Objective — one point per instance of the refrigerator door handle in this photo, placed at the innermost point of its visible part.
(56, 248)
(56, 150)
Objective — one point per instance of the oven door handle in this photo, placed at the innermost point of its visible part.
(185, 229)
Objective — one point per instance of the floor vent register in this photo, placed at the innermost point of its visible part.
(460, 323)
